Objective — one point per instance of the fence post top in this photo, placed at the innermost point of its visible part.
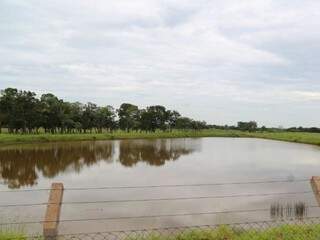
(57, 186)
(315, 178)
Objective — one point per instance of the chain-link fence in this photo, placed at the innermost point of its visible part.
(293, 229)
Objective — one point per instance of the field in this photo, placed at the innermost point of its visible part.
(299, 137)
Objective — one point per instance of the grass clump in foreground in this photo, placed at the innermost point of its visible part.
(299, 137)
(8, 235)
(286, 232)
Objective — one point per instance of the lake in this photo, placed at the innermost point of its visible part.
(153, 163)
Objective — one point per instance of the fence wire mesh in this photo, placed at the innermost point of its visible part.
(291, 229)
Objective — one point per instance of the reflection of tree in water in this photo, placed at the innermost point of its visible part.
(155, 152)
(20, 166)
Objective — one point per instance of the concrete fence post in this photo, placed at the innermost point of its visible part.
(52, 217)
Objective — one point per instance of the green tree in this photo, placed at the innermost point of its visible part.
(89, 116)
(30, 111)
(105, 118)
(128, 116)
(23, 112)
(52, 114)
(76, 111)
(158, 117)
(172, 118)
(145, 120)
(184, 123)
(7, 107)
(19, 110)
(197, 125)
(248, 126)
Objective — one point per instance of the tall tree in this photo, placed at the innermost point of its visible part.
(172, 117)
(7, 107)
(158, 117)
(105, 118)
(128, 116)
(30, 111)
(19, 109)
(88, 118)
(76, 111)
(52, 112)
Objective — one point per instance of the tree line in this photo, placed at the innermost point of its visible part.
(23, 112)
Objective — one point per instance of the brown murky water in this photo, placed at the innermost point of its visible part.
(156, 162)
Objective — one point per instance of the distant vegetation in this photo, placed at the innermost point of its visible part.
(298, 137)
(22, 112)
(26, 118)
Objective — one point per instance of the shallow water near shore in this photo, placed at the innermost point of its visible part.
(157, 162)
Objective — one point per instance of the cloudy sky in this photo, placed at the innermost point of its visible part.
(216, 60)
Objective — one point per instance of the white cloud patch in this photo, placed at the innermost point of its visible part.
(204, 58)
(305, 95)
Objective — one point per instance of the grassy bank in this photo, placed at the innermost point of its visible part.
(309, 138)
(225, 233)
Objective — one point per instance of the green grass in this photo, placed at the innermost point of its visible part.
(8, 235)
(286, 232)
(299, 137)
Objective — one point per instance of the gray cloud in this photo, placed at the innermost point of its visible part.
(221, 61)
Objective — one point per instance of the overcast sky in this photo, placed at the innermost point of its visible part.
(216, 60)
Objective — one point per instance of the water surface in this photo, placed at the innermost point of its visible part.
(156, 162)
